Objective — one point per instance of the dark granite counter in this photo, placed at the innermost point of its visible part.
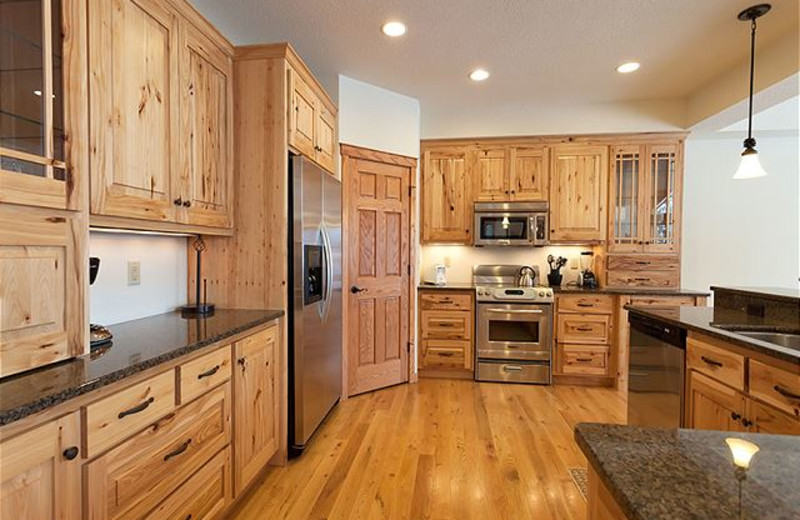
(450, 286)
(724, 324)
(137, 345)
(769, 293)
(656, 474)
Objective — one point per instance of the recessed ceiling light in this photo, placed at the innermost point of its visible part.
(394, 29)
(628, 67)
(479, 75)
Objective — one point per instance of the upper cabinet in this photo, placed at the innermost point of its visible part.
(312, 123)
(509, 173)
(490, 174)
(43, 79)
(529, 175)
(161, 118)
(645, 197)
(578, 189)
(446, 197)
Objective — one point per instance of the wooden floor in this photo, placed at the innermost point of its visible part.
(441, 449)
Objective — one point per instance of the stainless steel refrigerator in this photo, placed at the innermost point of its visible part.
(315, 298)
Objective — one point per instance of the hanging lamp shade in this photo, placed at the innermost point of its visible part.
(749, 167)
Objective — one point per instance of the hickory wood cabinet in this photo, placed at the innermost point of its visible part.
(446, 330)
(731, 389)
(446, 203)
(161, 123)
(578, 190)
(510, 173)
(312, 123)
(584, 329)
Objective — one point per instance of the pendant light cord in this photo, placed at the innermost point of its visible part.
(752, 72)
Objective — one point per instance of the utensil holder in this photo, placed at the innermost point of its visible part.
(554, 279)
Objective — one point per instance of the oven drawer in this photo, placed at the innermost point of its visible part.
(583, 360)
(445, 301)
(446, 354)
(446, 325)
(513, 372)
(584, 328)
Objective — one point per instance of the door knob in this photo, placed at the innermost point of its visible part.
(356, 289)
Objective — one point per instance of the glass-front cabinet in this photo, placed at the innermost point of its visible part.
(645, 196)
(33, 153)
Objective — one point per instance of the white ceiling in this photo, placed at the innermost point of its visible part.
(558, 50)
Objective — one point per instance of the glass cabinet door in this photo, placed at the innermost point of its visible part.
(32, 157)
(663, 199)
(625, 226)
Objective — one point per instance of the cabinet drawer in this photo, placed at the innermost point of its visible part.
(445, 301)
(721, 364)
(583, 360)
(585, 304)
(118, 416)
(446, 324)
(776, 386)
(134, 477)
(643, 278)
(643, 263)
(446, 354)
(584, 328)
(198, 376)
(203, 496)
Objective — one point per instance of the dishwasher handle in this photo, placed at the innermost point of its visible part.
(666, 332)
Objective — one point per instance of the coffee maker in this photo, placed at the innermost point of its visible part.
(586, 278)
(99, 336)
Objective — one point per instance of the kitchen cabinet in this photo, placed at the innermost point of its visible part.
(256, 406)
(578, 188)
(447, 320)
(41, 477)
(516, 173)
(529, 175)
(646, 188)
(713, 406)
(490, 171)
(312, 124)
(43, 103)
(583, 339)
(768, 419)
(446, 197)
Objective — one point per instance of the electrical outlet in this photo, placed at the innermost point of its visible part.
(573, 263)
(447, 262)
(134, 272)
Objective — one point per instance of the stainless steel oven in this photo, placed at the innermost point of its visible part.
(511, 224)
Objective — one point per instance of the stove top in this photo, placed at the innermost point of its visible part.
(498, 283)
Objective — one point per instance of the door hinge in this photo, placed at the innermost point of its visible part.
(409, 269)
(410, 190)
(409, 345)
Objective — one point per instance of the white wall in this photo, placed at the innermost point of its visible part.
(163, 276)
(741, 232)
(377, 118)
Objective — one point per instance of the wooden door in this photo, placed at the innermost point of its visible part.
(490, 174)
(134, 119)
(40, 475)
(627, 211)
(713, 406)
(303, 106)
(326, 140)
(578, 193)
(446, 198)
(529, 174)
(662, 191)
(206, 181)
(378, 205)
(766, 419)
(256, 408)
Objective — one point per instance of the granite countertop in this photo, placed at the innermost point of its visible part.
(660, 474)
(452, 286)
(770, 293)
(573, 289)
(137, 345)
(724, 324)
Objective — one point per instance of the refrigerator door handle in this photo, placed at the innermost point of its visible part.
(328, 265)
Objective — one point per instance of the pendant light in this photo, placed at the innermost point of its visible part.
(750, 167)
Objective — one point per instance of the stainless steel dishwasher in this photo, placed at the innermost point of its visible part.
(656, 373)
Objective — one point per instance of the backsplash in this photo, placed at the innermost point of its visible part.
(462, 258)
(163, 276)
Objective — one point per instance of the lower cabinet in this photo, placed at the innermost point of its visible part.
(714, 406)
(584, 328)
(446, 332)
(256, 428)
(41, 472)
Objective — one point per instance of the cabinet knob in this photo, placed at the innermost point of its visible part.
(747, 423)
(71, 452)
(187, 203)
(735, 416)
(178, 201)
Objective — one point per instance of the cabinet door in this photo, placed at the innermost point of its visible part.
(662, 199)
(713, 406)
(303, 115)
(255, 405)
(41, 288)
(326, 140)
(206, 181)
(446, 198)
(490, 173)
(766, 419)
(41, 472)
(578, 193)
(134, 119)
(625, 219)
(529, 174)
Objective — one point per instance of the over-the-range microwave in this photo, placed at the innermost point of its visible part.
(511, 224)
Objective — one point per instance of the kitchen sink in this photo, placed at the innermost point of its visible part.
(784, 339)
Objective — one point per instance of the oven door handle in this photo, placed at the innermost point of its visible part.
(515, 311)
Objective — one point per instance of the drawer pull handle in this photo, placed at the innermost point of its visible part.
(585, 305)
(512, 368)
(735, 416)
(71, 452)
(641, 279)
(136, 409)
(442, 324)
(583, 360)
(786, 393)
(584, 329)
(712, 362)
(208, 373)
(180, 449)
(445, 354)
(642, 262)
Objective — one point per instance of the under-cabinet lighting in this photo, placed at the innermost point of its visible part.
(120, 231)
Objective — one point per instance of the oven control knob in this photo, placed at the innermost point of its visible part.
(480, 291)
(542, 294)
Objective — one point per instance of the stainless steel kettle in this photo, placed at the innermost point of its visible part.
(526, 276)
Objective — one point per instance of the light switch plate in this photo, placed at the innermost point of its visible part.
(134, 272)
